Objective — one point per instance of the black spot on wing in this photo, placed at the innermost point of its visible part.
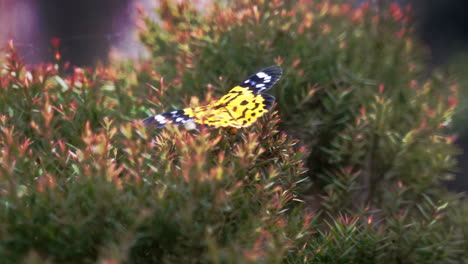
(243, 114)
(219, 106)
(262, 80)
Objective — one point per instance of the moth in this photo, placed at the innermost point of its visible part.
(240, 107)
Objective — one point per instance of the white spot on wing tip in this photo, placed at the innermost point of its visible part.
(160, 119)
(262, 75)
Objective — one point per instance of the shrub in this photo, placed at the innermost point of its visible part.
(82, 182)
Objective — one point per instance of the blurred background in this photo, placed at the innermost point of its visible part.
(89, 31)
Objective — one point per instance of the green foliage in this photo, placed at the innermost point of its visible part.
(81, 182)
(115, 191)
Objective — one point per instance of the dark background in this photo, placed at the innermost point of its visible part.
(443, 27)
(88, 28)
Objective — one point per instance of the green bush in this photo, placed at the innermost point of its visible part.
(82, 182)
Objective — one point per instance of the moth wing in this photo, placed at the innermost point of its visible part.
(245, 107)
(262, 80)
(176, 117)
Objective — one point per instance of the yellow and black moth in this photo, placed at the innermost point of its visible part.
(240, 107)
